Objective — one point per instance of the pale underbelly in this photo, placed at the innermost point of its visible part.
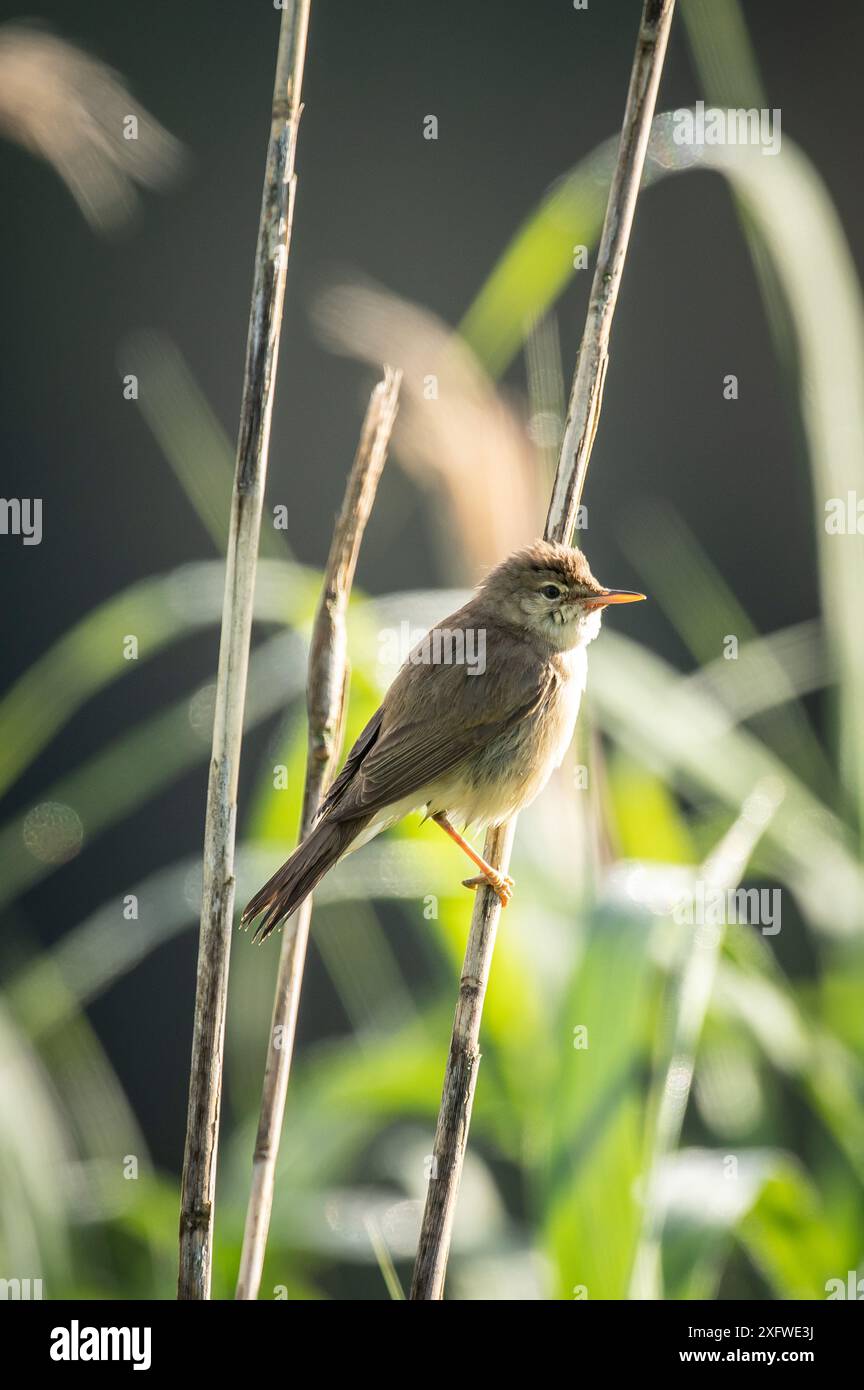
(505, 775)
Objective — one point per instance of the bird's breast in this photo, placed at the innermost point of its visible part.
(558, 721)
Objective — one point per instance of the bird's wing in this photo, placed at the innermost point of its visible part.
(428, 742)
(358, 752)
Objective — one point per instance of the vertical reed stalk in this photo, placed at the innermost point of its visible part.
(217, 907)
(327, 688)
(460, 1078)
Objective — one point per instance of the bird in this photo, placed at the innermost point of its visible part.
(467, 743)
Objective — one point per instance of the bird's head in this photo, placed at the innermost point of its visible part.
(549, 589)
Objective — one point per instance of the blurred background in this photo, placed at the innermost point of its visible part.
(664, 1109)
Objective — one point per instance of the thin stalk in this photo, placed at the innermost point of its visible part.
(217, 907)
(460, 1078)
(327, 688)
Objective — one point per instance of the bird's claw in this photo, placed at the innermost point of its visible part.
(501, 884)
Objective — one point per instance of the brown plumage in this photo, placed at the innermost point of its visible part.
(454, 740)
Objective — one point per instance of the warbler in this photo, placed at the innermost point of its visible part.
(462, 744)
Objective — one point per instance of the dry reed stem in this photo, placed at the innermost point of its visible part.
(327, 688)
(217, 906)
(460, 1078)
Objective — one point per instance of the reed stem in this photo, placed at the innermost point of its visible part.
(327, 693)
(460, 1078)
(217, 906)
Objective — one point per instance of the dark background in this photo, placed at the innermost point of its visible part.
(522, 92)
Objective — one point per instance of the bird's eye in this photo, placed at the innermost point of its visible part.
(550, 591)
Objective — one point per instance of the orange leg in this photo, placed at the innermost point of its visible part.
(501, 883)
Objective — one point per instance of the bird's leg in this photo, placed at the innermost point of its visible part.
(501, 883)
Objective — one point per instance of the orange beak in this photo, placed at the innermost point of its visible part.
(612, 596)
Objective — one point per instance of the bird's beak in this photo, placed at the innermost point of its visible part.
(612, 596)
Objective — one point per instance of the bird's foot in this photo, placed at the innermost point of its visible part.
(501, 884)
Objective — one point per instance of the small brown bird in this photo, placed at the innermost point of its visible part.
(465, 738)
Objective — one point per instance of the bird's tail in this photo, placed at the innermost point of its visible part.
(285, 891)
